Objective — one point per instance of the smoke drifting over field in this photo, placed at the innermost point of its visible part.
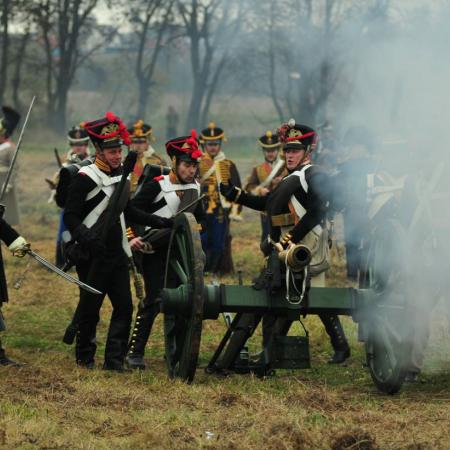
(399, 90)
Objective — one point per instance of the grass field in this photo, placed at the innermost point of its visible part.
(53, 404)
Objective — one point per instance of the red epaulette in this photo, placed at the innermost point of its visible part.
(159, 178)
(82, 173)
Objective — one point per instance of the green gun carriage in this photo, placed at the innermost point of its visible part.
(378, 307)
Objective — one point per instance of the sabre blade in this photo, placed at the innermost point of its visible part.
(62, 274)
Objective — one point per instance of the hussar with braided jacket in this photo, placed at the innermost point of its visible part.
(216, 168)
(141, 135)
(265, 176)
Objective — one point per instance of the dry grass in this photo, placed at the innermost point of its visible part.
(52, 404)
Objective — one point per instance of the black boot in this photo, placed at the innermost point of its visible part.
(139, 336)
(338, 340)
(5, 361)
(86, 364)
(412, 376)
(116, 345)
(59, 258)
(86, 345)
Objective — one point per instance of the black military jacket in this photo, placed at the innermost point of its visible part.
(77, 208)
(8, 235)
(315, 202)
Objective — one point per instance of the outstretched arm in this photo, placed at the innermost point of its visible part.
(237, 195)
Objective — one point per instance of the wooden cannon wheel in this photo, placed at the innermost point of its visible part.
(184, 265)
(388, 343)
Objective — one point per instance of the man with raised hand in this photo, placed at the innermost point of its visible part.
(297, 210)
(265, 176)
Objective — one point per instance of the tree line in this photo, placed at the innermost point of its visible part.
(297, 53)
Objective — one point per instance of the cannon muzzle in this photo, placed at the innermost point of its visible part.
(296, 257)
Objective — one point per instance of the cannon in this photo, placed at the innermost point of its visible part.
(378, 306)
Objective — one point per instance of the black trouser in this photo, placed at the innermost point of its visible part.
(59, 257)
(2, 351)
(356, 236)
(111, 277)
(153, 266)
(276, 326)
(2, 328)
(273, 326)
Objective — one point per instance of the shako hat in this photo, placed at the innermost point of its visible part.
(9, 121)
(77, 135)
(296, 136)
(107, 132)
(184, 148)
(140, 131)
(269, 141)
(212, 135)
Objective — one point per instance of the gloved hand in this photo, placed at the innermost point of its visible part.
(229, 191)
(161, 222)
(19, 247)
(129, 162)
(284, 242)
(89, 240)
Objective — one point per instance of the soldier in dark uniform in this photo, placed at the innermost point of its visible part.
(16, 244)
(163, 196)
(352, 184)
(297, 210)
(141, 137)
(8, 124)
(267, 175)
(78, 140)
(216, 168)
(104, 263)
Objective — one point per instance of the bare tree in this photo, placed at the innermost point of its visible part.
(62, 25)
(5, 19)
(303, 47)
(212, 27)
(18, 65)
(152, 19)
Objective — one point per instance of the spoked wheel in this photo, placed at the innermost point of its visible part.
(183, 325)
(387, 343)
